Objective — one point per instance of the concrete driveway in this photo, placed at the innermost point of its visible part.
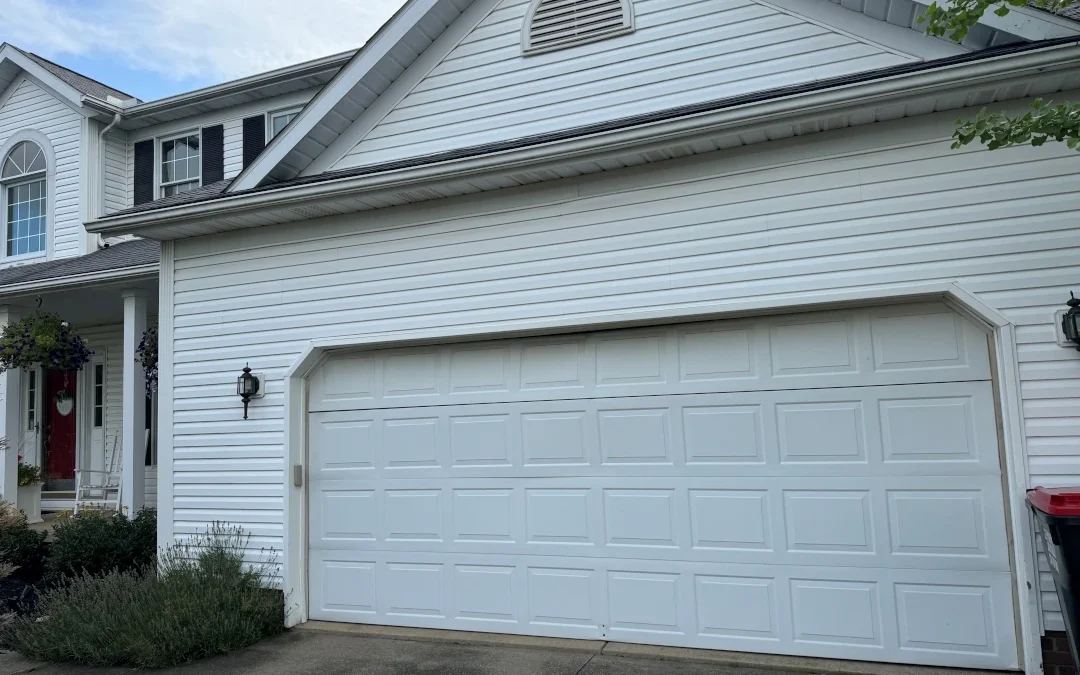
(351, 651)
(300, 652)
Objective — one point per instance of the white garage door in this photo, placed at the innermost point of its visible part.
(821, 484)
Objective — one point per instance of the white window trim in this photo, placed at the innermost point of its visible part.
(26, 179)
(32, 401)
(34, 453)
(49, 175)
(270, 115)
(159, 157)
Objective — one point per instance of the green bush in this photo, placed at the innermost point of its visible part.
(203, 600)
(30, 475)
(21, 547)
(95, 542)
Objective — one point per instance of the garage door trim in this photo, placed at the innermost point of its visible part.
(294, 568)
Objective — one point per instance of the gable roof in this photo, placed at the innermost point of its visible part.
(408, 38)
(82, 83)
(376, 66)
(296, 77)
(536, 147)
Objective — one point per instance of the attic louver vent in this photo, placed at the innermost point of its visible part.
(556, 24)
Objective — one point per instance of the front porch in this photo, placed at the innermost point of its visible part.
(81, 426)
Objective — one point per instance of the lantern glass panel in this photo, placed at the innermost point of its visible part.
(1069, 325)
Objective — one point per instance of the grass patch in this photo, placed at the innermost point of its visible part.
(202, 600)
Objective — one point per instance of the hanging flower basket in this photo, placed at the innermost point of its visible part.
(147, 355)
(43, 340)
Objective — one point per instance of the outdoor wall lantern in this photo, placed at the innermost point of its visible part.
(248, 386)
(1070, 321)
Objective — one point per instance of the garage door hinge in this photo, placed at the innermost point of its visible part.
(298, 475)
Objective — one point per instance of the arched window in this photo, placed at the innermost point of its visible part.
(23, 176)
(557, 24)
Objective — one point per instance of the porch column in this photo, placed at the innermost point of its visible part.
(134, 438)
(10, 418)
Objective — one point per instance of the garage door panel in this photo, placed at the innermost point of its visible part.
(896, 345)
(909, 429)
(916, 616)
(821, 484)
(905, 522)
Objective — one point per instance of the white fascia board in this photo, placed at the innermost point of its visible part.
(439, 49)
(293, 72)
(873, 92)
(89, 279)
(858, 26)
(367, 58)
(1027, 22)
(64, 91)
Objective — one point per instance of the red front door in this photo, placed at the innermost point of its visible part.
(60, 430)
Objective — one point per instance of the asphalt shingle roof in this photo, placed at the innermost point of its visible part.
(132, 253)
(81, 83)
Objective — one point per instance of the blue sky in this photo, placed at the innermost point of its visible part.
(156, 49)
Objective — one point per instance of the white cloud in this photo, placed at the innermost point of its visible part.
(211, 40)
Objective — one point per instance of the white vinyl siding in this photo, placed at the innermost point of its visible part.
(31, 107)
(682, 52)
(118, 192)
(107, 341)
(234, 147)
(886, 203)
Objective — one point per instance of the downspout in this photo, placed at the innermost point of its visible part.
(115, 121)
(100, 202)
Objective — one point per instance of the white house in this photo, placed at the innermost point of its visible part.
(662, 321)
(73, 149)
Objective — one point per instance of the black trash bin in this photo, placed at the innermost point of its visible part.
(1057, 520)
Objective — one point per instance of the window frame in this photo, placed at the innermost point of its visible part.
(25, 179)
(271, 114)
(97, 395)
(47, 175)
(159, 161)
(32, 398)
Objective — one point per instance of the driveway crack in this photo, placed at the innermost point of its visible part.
(578, 671)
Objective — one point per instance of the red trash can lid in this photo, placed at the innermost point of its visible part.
(1056, 501)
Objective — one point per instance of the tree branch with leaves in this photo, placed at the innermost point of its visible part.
(1044, 121)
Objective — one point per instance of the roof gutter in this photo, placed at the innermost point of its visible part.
(62, 283)
(288, 73)
(929, 78)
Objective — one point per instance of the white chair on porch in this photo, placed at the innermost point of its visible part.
(100, 489)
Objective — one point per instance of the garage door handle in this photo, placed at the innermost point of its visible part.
(298, 475)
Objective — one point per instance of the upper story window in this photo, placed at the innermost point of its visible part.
(26, 194)
(277, 121)
(181, 164)
(557, 24)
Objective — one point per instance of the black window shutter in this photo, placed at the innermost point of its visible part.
(213, 154)
(144, 172)
(254, 138)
